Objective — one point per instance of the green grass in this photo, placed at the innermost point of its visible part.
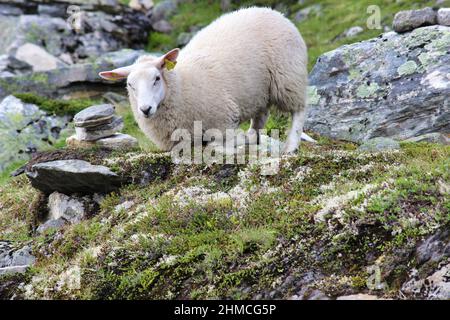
(162, 248)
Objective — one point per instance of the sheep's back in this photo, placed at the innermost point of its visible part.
(237, 55)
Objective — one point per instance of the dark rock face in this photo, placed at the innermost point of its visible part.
(73, 176)
(411, 19)
(82, 28)
(396, 85)
(57, 50)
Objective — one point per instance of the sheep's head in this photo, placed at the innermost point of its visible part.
(145, 82)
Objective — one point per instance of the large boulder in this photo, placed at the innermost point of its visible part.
(396, 85)
(73, 176)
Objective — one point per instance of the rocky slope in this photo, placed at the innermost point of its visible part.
(335, 221)
(338, 220)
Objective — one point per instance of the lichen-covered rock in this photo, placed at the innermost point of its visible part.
(14, 261)
(411, 19)
(434, 137)
(25, 129)
(396, 85)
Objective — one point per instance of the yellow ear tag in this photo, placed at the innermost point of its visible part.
(170, 64)
(114, 78)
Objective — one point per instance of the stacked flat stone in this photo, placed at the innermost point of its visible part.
(409, 20)
(98, 125)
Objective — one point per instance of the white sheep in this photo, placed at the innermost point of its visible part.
(230, 72)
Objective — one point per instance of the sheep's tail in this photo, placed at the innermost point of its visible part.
(308, 138)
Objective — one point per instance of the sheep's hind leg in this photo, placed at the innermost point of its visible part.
(256, 124)
(296, 132)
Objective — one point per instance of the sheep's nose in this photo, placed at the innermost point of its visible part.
(146, 110)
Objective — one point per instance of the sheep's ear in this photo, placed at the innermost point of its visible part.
(169, 60)
(116, 74)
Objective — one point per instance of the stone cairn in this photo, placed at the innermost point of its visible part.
(99, 126)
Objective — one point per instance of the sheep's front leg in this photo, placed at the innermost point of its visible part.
(296, 132)
(256, 124)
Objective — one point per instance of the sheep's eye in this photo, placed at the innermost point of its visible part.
(132, 88)
(157, 79)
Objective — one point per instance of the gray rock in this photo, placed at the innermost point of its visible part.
(118, 141)
(73, 176)
(411, 19)
(51, 224)
(99, 132)
(163, 10)
(124, 206)
(353, 31)
(318, 295)
(396, 86)
(68, 208)
(23, 257)
(434, 248)
(14, 261)
(25, 129)
(103, 28)
(434, 287)
(52, 10)
(74, 80)
(7, 10)
(162, 26)
(13, 270)
(443, 16)
(434, 137)
(37, 57)
(379, 144)
(94, 116)
(305, 13)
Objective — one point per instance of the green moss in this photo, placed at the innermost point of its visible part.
(57, 107)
